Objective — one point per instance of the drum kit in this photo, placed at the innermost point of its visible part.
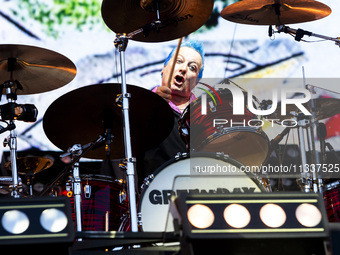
(112, 121)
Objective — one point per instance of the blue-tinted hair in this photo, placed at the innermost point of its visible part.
(197, 46)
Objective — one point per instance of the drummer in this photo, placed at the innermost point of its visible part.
(187, 71)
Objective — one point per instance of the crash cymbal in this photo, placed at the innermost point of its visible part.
(31, 164)
(82, 115)
(325, 108)
(275, 12)
(37, 70)
(178, 17)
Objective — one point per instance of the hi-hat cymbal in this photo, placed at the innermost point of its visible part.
(325, 108)
(38, 70)
(178, 17)
(31, 164)
(275, 12)
(82, 115)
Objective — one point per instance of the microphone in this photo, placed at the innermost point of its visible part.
(10, 126)
(75, 150)
(299, 33)
(270, 31)
(274, 142)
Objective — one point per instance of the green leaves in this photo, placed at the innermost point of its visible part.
(56, 15)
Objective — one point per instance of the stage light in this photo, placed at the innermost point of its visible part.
(31, 223)
(273, 215)
(53, 220)
(255, 223)
(15, 222)
(236, 216)
(200, 216)
(308, 215)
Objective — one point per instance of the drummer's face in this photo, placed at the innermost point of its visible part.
(187, 68)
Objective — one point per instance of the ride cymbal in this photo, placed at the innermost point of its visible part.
(178, 17)
(275, 12)
(82, 115)
(37, 70)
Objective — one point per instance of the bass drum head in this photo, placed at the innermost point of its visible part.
(194, 173)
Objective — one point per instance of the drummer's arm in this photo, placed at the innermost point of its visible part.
(164, 92)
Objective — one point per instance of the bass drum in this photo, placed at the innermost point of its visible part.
(200, 176)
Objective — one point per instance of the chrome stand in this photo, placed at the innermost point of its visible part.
(77, 195)
(305, 174)
(12, 143)
(121, 44)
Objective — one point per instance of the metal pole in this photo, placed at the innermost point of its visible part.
(13, 155)
(305, 174)
(77, 195)
(121, 43)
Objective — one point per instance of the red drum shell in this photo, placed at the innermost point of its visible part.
(104, 199)
(331, 196)
(247, 144)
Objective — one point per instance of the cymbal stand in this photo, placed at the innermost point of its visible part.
(12, 143)
(313, 125)
(302, 122)
(121, 44)
(76, 152)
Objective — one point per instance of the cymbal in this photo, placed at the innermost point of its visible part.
(38, 70)
(31, 164)
(178, 17)
(325, 108)
(263, 12)
(82, 115)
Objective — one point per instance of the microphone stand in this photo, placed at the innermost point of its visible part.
(121, 43)
(299, 33)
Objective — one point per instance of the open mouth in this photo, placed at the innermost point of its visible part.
(179, 79)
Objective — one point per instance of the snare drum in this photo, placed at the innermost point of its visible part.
(103, 202)
(331, 196)
(242, 137)
(190, 173)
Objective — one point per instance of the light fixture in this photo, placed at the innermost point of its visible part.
(37, 224)
(272, 215)
(200, 216)
(257, 223)
(15, 222)
(237, 216)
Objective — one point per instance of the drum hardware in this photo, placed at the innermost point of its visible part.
(87, 190)
(275, 12)
(30, 166)
(30, 70)
(77, 195)
(76, 152)
(121, 42)
(6, 185)
(299, 33)
(275, 142)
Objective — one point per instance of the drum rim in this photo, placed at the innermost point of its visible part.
(188, 155)
(252, 130)
(99, 177)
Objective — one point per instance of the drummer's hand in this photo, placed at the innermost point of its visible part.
(164, 92)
